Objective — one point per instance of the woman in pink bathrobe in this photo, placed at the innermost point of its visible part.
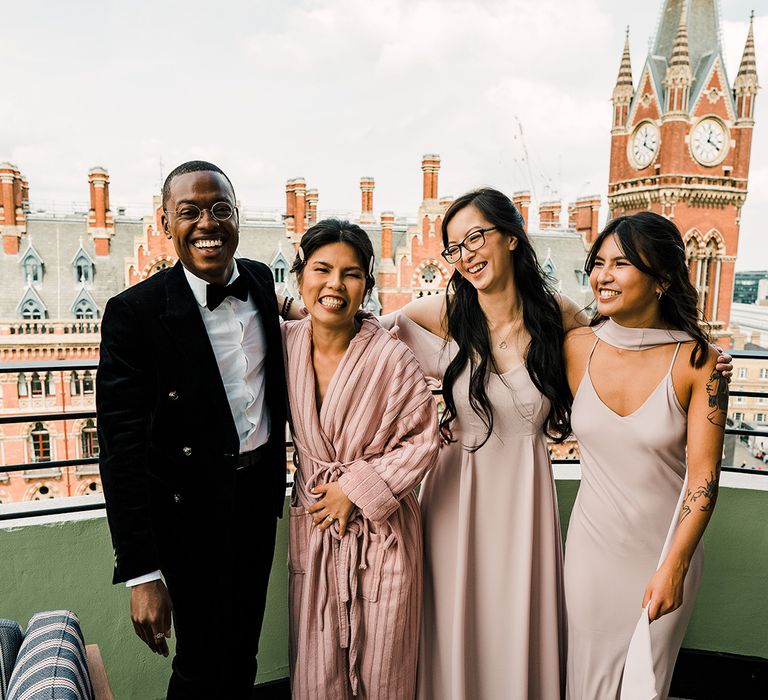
(364, 426)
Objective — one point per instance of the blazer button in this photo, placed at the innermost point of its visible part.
(228, 455)
(173, 395)
(176, 498)
(187, 451)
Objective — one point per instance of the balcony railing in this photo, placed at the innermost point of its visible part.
(89, 465)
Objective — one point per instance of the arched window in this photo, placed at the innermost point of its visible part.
(279, 272)
(37, 385)
(87, 382)
(74, 384)
(40, 443)
(31, 311)
(84, 310)
(32, 270)
(83, 268)
(89, 440)
(23, 386)
(50, 388)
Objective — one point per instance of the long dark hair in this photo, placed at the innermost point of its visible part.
(653, 244)
(468, 326)
(337, 231)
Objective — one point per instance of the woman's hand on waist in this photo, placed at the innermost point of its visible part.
(333, 506)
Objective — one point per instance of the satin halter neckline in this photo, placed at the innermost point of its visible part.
(626, 338)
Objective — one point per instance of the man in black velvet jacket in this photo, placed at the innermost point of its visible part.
(191, 417)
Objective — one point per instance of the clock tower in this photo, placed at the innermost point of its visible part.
(680, 144)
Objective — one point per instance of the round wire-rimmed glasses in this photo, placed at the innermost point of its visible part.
(472, 241)
(191, 213)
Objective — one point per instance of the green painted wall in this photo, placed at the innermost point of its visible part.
(68, 565)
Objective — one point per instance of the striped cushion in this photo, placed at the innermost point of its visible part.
(52, 663)
(10, 641)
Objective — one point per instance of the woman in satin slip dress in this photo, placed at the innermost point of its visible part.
(649, 412)
(494, 617)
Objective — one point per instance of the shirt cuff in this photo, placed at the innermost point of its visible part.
(146, 578)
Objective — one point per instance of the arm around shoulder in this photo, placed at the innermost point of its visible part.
(429, 313)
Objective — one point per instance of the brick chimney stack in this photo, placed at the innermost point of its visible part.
(300, 207)
(290, 206)
(311, 199)
(100, 222)
(387, 226)
(14, 193)
(367, 185)
(522, 202)
(430, 166)
(549, 215)
(582, 216)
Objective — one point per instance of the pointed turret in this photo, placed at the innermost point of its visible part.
(679, 76)
(745, 86)
(623, 91)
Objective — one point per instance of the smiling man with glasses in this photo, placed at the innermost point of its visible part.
(191, 419)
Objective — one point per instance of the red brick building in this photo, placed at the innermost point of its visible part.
(680, 144)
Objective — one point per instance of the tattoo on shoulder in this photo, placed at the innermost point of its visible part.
(717, 396)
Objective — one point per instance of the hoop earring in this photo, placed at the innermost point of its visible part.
(659, 294)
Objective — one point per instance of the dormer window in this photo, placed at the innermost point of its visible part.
(31, 306)
(85, 310)
(83, 270)
(84, 307)
(31, 311)
(32, 267)
(279, 272)
(279, 267)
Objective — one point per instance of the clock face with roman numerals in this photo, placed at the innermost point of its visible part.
(709, 141)
(644, 144)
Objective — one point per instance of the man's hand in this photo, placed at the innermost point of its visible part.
(151, 614)
(334, 506)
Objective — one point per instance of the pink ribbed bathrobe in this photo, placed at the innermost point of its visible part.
(355, 602)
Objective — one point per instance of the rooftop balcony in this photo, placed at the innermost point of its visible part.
(57, 554)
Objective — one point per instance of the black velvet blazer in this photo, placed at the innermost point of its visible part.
(168, 441)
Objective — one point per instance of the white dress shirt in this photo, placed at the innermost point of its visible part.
(237, 337)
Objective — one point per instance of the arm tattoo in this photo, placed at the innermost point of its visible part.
(717, 396)
(705, 496)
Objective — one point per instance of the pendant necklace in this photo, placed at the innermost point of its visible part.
(503, 344)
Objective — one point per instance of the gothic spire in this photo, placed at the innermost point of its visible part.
(745, 86)
(748, 67)
(625, 70)
(623, 91)
(679, 75)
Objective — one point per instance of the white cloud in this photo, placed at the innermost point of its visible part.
(332, 90)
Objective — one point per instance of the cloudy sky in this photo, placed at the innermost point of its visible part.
(335, 89)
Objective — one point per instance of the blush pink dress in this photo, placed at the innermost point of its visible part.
(633, 469)
(494, 617)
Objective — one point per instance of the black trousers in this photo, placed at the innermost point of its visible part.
(218, 586)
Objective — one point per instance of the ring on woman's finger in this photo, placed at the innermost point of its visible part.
(330, 519)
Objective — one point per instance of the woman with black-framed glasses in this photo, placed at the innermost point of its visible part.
(494, 623)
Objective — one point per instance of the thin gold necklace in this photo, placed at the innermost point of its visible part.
(503, 344)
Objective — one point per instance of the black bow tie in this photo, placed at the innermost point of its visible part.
(216, 293)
